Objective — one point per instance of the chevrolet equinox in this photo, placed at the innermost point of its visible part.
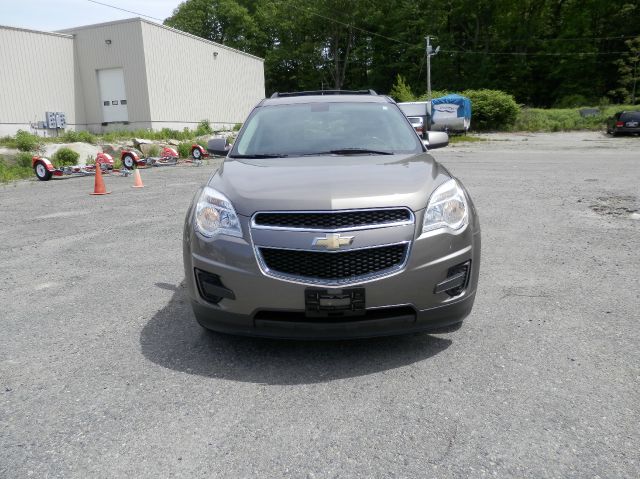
(330, 219)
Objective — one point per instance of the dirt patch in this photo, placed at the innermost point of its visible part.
(618, 206)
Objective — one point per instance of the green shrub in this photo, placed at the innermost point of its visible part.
(25, 141)
(572, 101)
(74, 136)
(184, 150)
(492, 109)
(434, 94)
(557, 119)
(400, 91)
(204, 128)
(65, 157)
(23, 159)
(237, 127)
(154, 151)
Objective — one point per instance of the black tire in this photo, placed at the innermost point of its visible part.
(196, 153)
(40, 169)
(128, 162)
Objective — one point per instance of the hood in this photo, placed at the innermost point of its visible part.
(328, 182)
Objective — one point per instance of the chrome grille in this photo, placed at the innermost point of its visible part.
(333, 220)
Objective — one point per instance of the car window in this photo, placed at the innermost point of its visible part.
(630, 115)
(308, 128)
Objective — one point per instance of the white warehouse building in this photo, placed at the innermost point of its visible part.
(127, 74)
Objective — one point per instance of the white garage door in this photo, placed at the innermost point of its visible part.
(113, 95)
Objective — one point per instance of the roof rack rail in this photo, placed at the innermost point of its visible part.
(323, 92)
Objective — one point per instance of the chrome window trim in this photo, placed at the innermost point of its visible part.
(410, 221)
(333, 282)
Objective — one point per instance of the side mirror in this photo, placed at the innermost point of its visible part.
(218, 146)
(436, 139)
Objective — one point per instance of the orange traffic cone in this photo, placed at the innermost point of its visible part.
(137, 180)
(98, 186)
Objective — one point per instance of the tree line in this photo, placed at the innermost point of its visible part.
(544, 52)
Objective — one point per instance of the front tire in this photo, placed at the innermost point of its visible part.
(41, 171)
(128, 162)
(196, 153)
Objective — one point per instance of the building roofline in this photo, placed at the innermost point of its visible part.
(159, 25)
(30, 30)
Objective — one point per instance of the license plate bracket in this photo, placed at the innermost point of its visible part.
(321, 303)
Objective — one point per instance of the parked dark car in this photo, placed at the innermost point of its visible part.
(624, 122)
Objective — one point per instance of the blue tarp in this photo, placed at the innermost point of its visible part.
(464, 104)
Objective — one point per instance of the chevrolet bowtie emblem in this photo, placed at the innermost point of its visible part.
(333, 241)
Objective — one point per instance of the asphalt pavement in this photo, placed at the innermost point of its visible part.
(105, 373)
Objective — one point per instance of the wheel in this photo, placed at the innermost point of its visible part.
(41, 171)
(128, 162)
(196, 153)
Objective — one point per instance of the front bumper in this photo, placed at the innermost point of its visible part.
(403, 302)
(302, 328)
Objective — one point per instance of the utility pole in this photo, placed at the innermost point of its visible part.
(430, 53)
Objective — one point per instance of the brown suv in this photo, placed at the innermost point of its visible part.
(330, 219)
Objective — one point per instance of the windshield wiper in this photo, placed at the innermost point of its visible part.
(259, 156)
(351, 151)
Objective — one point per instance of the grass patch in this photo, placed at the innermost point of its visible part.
(465, 139)
(184, 149)
(17, 168)
(565, 119)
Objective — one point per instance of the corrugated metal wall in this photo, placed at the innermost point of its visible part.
(172, 79)
(191, 79)
(125, 51)
(37, 76)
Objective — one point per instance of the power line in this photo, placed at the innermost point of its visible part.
(352, 26)
(617, 37)
(525, 54)
(401, 42)
(125, 10)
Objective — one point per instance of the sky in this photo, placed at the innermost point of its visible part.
(51, 15)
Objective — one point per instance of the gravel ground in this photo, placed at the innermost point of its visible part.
(104, 372)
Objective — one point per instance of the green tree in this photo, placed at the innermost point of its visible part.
(400, 91)
(222, 21)
(629, 73)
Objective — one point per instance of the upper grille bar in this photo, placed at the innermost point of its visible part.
(332, 220)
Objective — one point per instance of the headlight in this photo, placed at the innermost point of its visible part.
(215, 215)
(447, 208)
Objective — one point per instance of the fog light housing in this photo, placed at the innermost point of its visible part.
(211, 288)
(457, 280)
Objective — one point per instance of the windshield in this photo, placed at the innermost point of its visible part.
(326, 128)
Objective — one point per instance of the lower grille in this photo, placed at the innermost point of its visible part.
(340, 266)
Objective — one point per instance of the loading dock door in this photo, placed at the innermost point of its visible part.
(113, 95)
